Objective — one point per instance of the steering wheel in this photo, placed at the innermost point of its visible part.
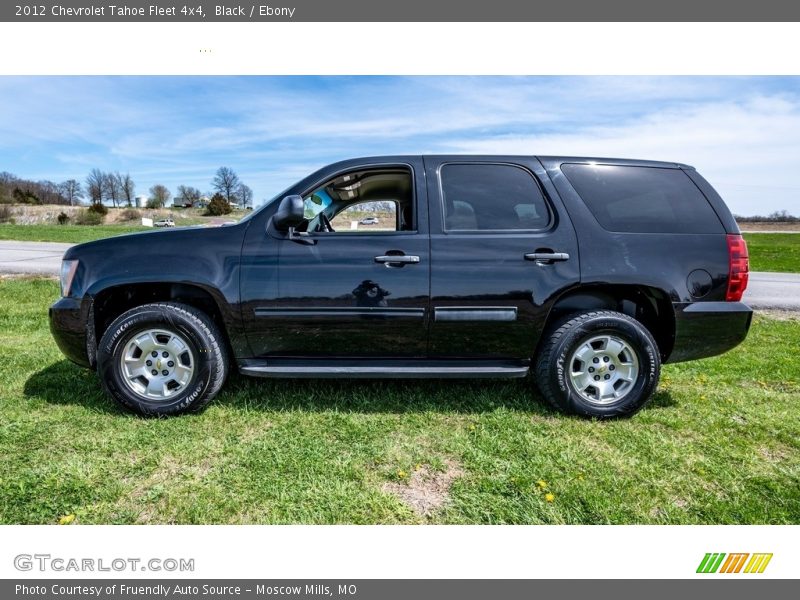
(325, 223)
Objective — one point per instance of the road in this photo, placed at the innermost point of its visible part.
(766, 290)
(33, 258)
(773, 290)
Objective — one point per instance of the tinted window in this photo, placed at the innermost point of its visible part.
(487, 197)
(643, 199)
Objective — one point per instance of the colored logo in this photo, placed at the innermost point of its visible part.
(719, 562)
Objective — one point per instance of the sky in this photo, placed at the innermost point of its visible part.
(741, 133)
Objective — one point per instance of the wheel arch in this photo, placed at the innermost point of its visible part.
(112, 301)
(649, 305)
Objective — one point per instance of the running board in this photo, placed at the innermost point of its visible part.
(383, 369)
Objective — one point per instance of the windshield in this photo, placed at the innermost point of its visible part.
(314, 204)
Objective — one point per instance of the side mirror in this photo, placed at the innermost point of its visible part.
(289, 214)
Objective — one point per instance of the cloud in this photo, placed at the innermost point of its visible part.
(742, 133)
(749, 150)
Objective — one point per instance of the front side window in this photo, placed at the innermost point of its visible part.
(487, 197)
(364, 201)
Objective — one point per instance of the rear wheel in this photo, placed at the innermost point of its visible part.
(162, 359)
(598, 364)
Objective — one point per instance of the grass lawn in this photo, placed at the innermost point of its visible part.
(774, 251)
(73, 234)
(720, 443)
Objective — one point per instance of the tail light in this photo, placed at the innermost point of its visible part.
(738, 268)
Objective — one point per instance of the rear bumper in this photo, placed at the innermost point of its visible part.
(68, 320)
(705, 329)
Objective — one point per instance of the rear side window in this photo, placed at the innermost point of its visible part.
(643, 199)
(491, 197)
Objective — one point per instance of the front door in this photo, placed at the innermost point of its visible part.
(357, 283)
(502, 248)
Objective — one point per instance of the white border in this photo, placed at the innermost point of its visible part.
(409, 552)
(399, 48)
(404, 48)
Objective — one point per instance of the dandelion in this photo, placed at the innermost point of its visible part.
(472, 427)
(401, 474)
(542, 484)
(549, 497)
(66, 519)
(418, 466)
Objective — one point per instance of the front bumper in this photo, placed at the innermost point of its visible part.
(705, 329)
(68, 324)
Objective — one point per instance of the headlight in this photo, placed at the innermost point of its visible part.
(68, 268)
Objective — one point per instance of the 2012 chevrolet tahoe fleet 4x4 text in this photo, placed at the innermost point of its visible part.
(587, 273)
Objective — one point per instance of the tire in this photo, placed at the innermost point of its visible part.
(601, 364)
(188, 368)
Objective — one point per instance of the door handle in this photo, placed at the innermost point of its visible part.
(397, 258)
(547, 258)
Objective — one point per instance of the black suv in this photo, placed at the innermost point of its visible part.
(587, 273)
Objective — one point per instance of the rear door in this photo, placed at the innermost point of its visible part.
(502, 249)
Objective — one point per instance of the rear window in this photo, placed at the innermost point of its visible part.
(491, 197)
(643, 199)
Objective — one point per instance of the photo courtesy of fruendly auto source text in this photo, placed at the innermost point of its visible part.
(257, 274)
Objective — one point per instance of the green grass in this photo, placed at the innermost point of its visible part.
(720, 443)
(73, 234)
(774, 251)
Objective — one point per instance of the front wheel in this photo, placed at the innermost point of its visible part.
(598, 364)
(162, 359)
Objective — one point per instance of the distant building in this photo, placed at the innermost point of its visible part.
(181, 202)
(140, 201)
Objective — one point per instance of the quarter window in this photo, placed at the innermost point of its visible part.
(486, 197)
(643, 199)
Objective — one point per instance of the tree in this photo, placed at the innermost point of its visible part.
(226, 182)
(25, 196)
(71, 190)
(245, 195)
(218, 205)
(7, 181)
(189, 194)
(96, 186)
(159, 196)
(113, 183)
(128, 188)
(47, 191)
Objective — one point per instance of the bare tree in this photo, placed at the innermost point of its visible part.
(159, 196)
(226, 182)
(245, 195)
(7, 182)
(188, 194)
(71, 190)
(48, 192)
(96, 186)
(113, 185)
(128, 188)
